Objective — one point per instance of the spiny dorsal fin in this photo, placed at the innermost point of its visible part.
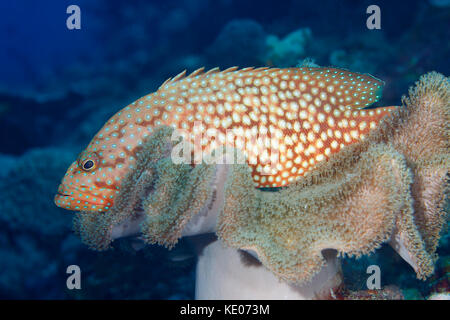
(260, 69)
(179, 76)
(165, 82)
(196, 72)
(213, 70)
(230, 69)
(182, 75)
(174, 79)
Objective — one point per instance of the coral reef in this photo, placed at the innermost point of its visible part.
(31, 228)
(25, 190)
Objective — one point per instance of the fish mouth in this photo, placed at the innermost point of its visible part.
(62, 191)
(76, 200)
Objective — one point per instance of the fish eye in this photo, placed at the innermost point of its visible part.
(88, 165)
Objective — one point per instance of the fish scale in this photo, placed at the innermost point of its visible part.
(284, 121)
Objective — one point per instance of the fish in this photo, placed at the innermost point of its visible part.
(304, 114)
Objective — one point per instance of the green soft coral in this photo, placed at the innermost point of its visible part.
(166, 194)
(353, 213)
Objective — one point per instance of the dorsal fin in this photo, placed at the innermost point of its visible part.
(182, 75)
(179, 76)
(261, 69)
(213, 70)
(230, 69)
(165, 82)
(196, 72)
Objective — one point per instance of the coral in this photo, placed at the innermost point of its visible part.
(95, 230)
(179, 195)
(289, 229)
(286, 52)
(31, 227)
(421, 133)
(167, 194)
(26, 190)
(387, 293)
(7, 162)
(25, 267)
(379, 178)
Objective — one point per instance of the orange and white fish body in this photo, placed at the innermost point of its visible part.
(310, 113)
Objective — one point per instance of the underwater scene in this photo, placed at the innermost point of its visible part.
(226, 149)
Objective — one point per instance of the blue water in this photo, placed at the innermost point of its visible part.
(58, 87)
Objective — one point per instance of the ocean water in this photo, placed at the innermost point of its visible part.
(58, 86)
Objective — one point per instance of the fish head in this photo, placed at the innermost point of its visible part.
(90, 183)
(93, 180)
